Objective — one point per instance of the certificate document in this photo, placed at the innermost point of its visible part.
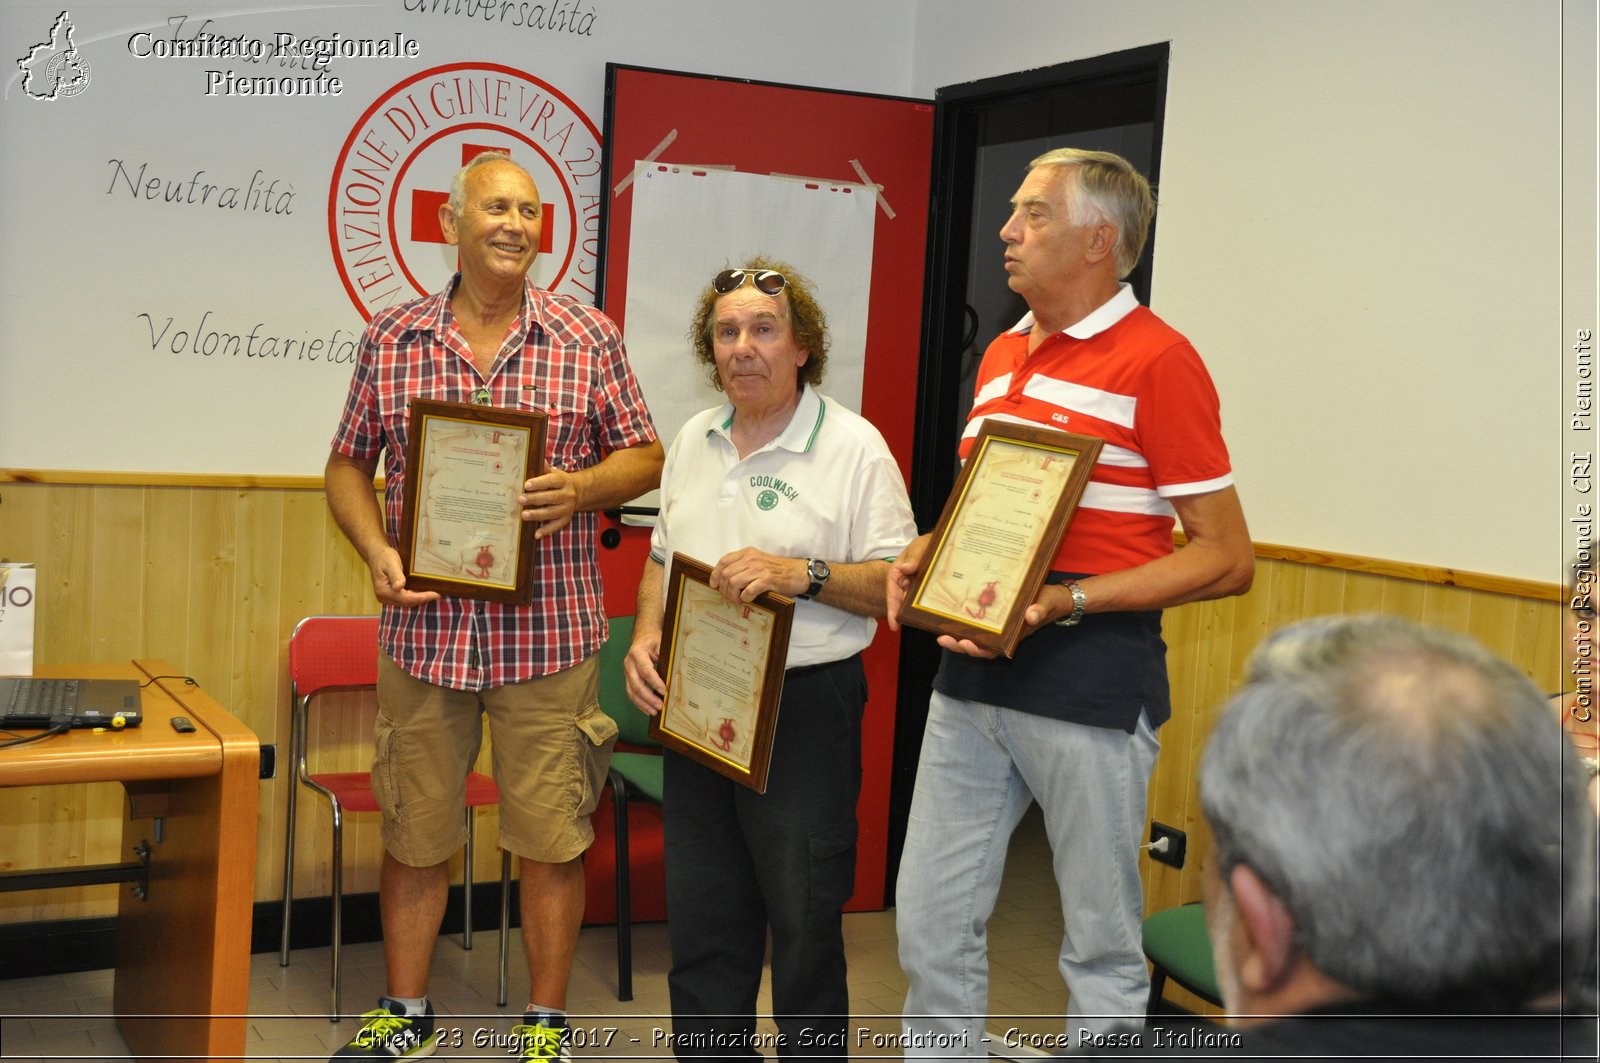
(462, 531)
(1001, 527)
(723, 665)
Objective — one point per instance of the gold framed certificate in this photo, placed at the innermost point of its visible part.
(723, 666)
(461, 528)
(991, 550)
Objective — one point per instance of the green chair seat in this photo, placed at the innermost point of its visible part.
(642, 771)
(1177, 944)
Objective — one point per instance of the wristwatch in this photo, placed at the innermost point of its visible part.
(1079, 601)
(818, 572)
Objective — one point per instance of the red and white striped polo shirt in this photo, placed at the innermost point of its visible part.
(1124, 375)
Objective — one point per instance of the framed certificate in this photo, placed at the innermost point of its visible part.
(723, 666)
(1000, 529)
(461, 528)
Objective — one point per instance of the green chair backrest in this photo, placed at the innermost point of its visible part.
(633, 725)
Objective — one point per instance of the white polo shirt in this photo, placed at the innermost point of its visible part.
(826, 487)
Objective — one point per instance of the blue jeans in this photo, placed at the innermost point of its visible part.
(739, 863)
(980, 769)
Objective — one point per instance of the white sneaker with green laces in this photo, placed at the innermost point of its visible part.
(543, 1039)
(389, 1033)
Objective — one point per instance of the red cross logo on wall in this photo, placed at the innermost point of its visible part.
(425, 228)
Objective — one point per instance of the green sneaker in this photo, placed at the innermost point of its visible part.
(542, 1039)
(389, 1033)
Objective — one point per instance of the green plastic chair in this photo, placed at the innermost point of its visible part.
(1176, 943)
(635, 776)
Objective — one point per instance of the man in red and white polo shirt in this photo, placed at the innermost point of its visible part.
(1071, 720)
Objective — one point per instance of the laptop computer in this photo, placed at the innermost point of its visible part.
(36, 702)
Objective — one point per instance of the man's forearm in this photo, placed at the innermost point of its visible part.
(647, 607)
(857, 588)
(1217, 561)
(354, 504)
(619, 477)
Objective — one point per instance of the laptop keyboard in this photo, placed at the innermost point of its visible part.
(43, 697)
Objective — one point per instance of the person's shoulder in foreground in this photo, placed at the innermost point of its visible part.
(1411, 872)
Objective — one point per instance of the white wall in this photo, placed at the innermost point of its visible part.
(105, 293)
(1361, 230)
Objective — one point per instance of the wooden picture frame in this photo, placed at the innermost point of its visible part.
(461, 527)
(723, 665)
(1000, 529)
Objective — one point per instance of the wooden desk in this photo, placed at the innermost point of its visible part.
(183, 951)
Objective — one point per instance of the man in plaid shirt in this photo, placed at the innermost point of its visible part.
(493, 338)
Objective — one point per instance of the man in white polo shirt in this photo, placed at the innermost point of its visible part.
(780, 489)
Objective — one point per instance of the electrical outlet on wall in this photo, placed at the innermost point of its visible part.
(1176, 843)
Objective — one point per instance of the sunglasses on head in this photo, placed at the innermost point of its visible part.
(766, 281)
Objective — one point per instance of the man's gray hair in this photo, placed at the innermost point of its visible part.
(1414, 802)
(458, 183)
(1102, 186)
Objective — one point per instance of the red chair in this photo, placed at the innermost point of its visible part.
(329, 653)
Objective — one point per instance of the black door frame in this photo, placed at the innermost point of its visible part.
(959, 111)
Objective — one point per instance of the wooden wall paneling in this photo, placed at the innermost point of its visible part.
(31, 833)
(1252, 617)
(166, 572)
(1324, 592)
(1525, 632)
(106, 805)
(21, 813)
(1219, 675)
(213, 560)
(1404, 598)
(1286, 590)
(253, 668)
(1166, 795)
(345, 590)
(64, 556)
(59, 841)
(115, 585)
(1446, 607)
(1542, 645)
(1491, 625)
(1363, 593)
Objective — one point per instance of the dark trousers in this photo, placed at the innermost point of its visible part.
(739, 863)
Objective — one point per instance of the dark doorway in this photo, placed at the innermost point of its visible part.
(985, 133)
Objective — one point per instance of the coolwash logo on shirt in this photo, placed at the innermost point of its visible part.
(773, 490)
(394, 173)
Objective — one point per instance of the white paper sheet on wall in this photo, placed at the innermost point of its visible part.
(690, 222)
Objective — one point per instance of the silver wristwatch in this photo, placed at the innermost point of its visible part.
(817, 572)
(1079, 601)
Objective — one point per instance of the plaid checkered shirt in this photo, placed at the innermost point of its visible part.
(562, 357)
